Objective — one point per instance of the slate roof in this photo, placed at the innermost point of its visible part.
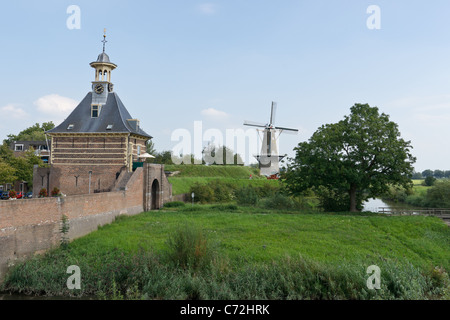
(112, 113)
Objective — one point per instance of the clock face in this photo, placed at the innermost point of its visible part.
(98, 89)
(110, 87)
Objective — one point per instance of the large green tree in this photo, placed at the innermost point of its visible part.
(355, 159)
(150, 147)
(7, 173)
(22, 165)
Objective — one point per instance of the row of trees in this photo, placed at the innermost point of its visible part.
(14, 168)
(212, 155)
(33, 133)
(438, 174)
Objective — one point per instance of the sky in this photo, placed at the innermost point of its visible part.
(219, 63)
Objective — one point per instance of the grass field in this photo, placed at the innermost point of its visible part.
(324, 237)
(250, 253)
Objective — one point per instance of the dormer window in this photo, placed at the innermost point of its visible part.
(134, 124)
(95, 110)
(70, 127)
(109, 127)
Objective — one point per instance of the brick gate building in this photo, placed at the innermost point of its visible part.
(97, 144)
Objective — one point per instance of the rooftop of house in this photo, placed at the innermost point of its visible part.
(112, 117)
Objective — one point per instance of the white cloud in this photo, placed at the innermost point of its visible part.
(58, 107)
(425, 110)
(207, 8)
(214, 114)
(13, 111)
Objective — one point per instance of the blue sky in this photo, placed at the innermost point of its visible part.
(223, 62)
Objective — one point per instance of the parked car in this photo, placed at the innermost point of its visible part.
(19, 195)
(28, 195)
(5, 195)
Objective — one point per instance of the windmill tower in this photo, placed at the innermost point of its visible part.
(269, 158)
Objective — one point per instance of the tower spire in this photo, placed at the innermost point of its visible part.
(104, 40)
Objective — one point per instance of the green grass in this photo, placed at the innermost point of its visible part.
(256, 252)
(324, 237)
(237, 172)
(183, 184)
(238, 176)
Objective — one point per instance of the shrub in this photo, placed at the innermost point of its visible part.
(203, 193)
(64, 230)
(43, 193)
(429, 181)
(267, 190)
(438, 196)
(12, 194)
(225, 207)
(398, 194)
(55, 192)
(222, 190)
(416, 200)
(247, 196)
(336, 201)
(278, 201)
(174, 204)
(213, 191)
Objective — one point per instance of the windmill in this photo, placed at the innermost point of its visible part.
(269, 158)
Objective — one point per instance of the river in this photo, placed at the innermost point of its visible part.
(375, 205)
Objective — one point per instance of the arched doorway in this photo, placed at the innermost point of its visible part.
(155, 195)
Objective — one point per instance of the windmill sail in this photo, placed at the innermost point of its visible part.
(254, 124)
(287, 129)
(273, 112)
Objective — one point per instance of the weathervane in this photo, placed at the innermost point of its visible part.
(104, 40)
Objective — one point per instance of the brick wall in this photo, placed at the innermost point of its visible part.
(32, 226)
(89, 150)
(74, 180)
(158, 189)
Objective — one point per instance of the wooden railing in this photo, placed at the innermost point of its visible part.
(439, 212)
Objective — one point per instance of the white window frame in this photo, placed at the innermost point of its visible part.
(19, 145)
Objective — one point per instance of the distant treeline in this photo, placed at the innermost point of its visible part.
(438, 174)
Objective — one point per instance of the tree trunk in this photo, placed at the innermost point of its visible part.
(352, 194)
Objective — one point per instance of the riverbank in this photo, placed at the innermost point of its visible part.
(230, 252)
(436, 196)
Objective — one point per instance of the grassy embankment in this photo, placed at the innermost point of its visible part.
(238, 176)
(436, 196)
(248, 253)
